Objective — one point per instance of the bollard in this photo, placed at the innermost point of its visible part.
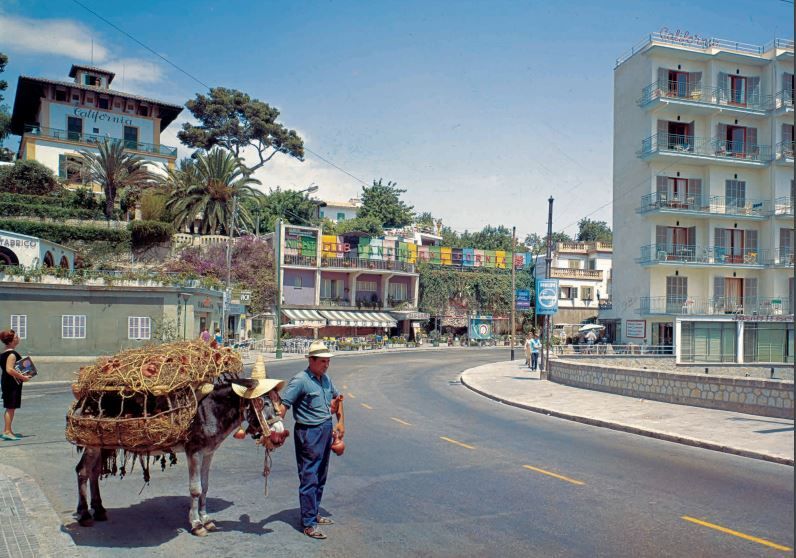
(706, 370)
(772, 372)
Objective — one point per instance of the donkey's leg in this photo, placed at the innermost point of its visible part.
(96, 500)
(195, 487)
(206, 521)
(84, 470)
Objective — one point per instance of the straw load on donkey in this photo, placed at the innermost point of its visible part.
(151, 402)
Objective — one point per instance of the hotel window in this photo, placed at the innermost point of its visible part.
(60, 95)
(297, 282)
(143, 110)
(398, 291)
(139, 327)
(117, 104)
(573, 264)
(94, 81)
(367, 286)
(735, 194)
(330, 288)
(73, 326)
(76, 97)
(104, 103)
(130, 137)
(19, 323)
(130, 107)
(568, 293)
(69, 168)
(587, 293)
(341, 216)
(74, 128)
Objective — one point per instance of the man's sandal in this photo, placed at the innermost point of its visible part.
(314, 533)
(324, 521)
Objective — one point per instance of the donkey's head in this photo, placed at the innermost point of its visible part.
(262, 413)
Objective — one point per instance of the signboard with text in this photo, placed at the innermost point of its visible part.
(546, 297)
(523, 299)
(480, 327)
(636, 329)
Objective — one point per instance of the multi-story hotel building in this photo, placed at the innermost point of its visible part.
(583, 270)
(56, 119)
(703, 198)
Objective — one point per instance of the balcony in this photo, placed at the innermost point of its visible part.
(367, 264)
(573, 273)
(784, 152)
(704, 149)
(701, 306)
(783, 257)
(705, 205)
(783, 207)
(698, 256)
(783, 101)
(304, 261)
(94, 139)
(693, 94)
(582, 247)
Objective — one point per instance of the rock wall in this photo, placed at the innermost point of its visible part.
(770, 398)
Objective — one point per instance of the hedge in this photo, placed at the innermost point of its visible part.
(53, 211)
(146, 233)
(64, 234)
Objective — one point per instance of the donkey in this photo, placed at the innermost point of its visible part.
(218, 414)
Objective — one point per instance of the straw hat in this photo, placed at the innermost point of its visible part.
(319, 349)
(263, 384)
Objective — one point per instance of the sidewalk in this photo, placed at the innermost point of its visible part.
(511, 382)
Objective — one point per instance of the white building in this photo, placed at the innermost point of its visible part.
(340, 210)
(56, 119)
(703, 197)
(583, 270)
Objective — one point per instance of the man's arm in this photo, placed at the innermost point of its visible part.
(340, 426)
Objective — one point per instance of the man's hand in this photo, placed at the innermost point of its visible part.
(340, 429)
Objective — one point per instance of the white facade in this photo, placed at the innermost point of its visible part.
(340, 210)
(703, 183)
(583, 270)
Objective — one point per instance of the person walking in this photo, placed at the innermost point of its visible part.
(205, 335)
(310, 393)
(11, 381)
(536, 346)
(218, 339)
(527, 347)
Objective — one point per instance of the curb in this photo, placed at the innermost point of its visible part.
(633, 429)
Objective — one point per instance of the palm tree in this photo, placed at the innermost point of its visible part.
(114, 169)
(206, 185)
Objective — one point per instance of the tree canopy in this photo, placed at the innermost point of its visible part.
(231, 119)
(292, 206)
(537, 243)
(28, 177)
(5, 117)
(383, 202)
(368, 225)
(589, 231)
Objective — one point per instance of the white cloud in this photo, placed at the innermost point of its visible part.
(61, 37)
(291, 174)
(135, 70)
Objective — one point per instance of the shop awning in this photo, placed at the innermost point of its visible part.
(304, 318)
(357, 319)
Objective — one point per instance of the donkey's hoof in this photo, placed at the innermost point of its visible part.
(199, 531)
(211, 526)
(101, 515)
(85, 519)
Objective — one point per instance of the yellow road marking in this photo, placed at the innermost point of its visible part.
(399, 421)
(557, 476)
(352, 396)
(366, 406)
(735, 533)
(452, 441)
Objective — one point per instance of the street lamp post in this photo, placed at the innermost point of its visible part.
(513, 288)
(184, 297)
(278, 266)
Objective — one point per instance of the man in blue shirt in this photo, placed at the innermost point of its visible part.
(536, 345)
(310, 393)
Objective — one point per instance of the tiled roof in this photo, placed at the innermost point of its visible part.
(101, 90)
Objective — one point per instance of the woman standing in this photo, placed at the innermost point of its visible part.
(11, 381)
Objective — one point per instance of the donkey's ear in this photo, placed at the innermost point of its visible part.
(245, 382)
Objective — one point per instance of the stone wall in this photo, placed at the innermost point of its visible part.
(770, 398)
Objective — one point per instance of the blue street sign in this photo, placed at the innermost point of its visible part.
(523, 299)
(546, 297)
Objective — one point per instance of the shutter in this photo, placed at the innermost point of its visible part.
(662, 188)
(720, 237)
(751, 139)
(695, 191)
(787, 84)
(663, 126)
(695, 82)
(690, 236)
(785, 236)
(787, 133)
(62, 162)
(718, 292)
(721, 132)
(724, 89)
(753, 95)
(689, 132)
(663, 79)
(660, 236)
(750, 288)
(750, 241)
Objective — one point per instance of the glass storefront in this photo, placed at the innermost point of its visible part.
(708, 342)
(768, 342)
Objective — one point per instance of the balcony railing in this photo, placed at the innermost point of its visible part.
(583, 247)
(784, 99)
(307, 261)
(572, 273)
(98, 138)
(716, 148)
(704, 306)
(363, 263)
(783, 257)
(715, 205)
(783, 206)
(714, 96)
(784, 149)
(702, 255)
(343, 302)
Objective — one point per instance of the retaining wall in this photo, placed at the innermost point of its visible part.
(770, 398)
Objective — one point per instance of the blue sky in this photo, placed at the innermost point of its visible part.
(481, 110)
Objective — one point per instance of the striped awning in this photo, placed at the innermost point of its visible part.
(304, 318)
(358, 319)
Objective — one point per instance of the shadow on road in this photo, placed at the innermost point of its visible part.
(291, 517)
(148, 523)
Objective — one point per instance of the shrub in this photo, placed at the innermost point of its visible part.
(66, 234)
(9, 209)
(153, 206)
(28, 177)
(147, 233)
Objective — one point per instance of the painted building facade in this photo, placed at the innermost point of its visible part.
(337, 211)
(56, 119)
(31, 252)
(703, 193)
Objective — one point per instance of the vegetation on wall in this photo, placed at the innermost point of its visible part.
(28, 177)
(65, 234)
(147, 233)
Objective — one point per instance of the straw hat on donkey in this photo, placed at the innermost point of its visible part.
(261, 383)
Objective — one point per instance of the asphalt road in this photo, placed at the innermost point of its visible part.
(433, 469)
